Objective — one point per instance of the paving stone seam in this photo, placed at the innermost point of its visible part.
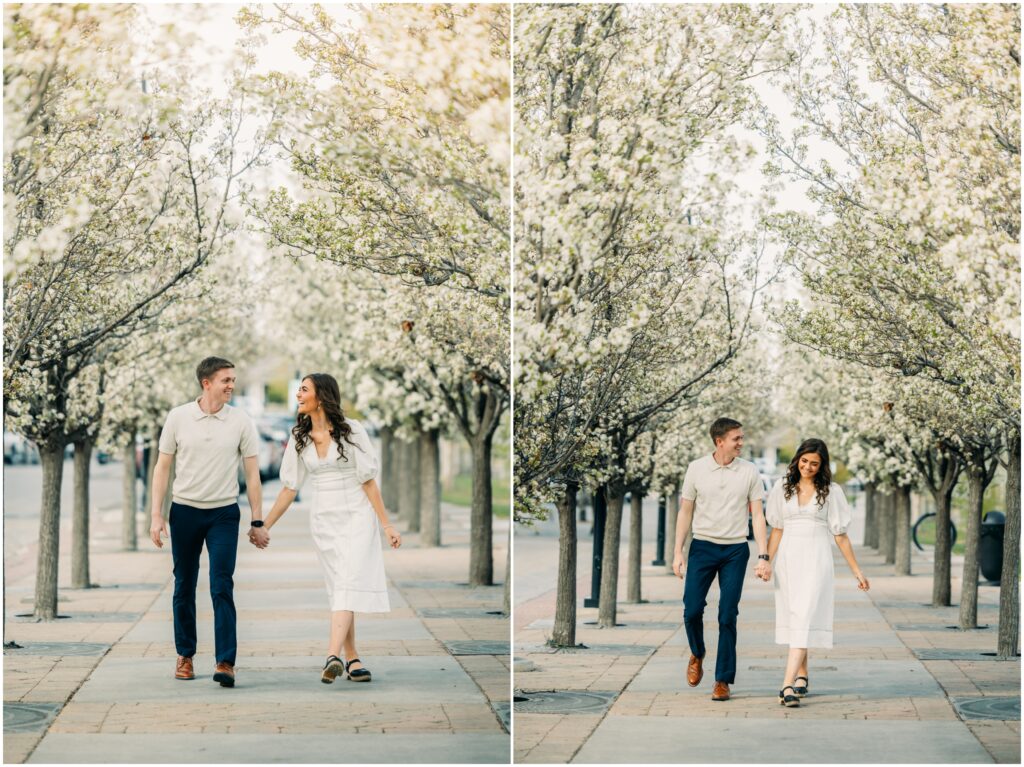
(99, 659)
(483, 692)
(945, 692)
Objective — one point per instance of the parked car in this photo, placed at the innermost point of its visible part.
(17, 449)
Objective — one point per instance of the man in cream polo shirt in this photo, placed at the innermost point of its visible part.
(205, 438)
(717, 492)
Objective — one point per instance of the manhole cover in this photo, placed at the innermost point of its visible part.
(458, 612)
(932, 627)
(564, 702)
(931, 653)
(609, 649)
(29, 717)
(477, 647)
(59, 648)
(93, 617)
(132, 586)
(504, 712)
(645, 625)
(990, 707)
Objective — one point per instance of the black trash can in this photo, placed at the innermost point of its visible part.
(990, 549)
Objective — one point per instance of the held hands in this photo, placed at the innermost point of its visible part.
(156, 529)
(394, 537)
(259, 537)
(763, 570)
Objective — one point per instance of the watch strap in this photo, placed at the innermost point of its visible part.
(257, 523)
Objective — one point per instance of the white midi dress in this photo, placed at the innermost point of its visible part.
(345, 529)
(803, 570)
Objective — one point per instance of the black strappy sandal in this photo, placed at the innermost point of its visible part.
(359, 674)
(333, 668)
(800, 689)
(789, 701)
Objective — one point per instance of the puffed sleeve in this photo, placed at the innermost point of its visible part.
(839, 512)
(367, 464)
(776, 502)
(293, 469)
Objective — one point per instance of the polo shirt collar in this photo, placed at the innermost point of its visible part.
(731, 466)
(198, 413)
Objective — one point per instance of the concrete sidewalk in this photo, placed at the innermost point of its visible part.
(898, 687)
(98, 686)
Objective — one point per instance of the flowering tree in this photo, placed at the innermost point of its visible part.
(112, 204)
(401, 151)
(633, 293)
(914, 271)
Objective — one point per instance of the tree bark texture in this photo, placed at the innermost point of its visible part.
(430, 488)
(968, 617)
(129, 498)
(607, 609)
(409, 486)
(1009, 587)
(80, 516)
(563, 634)
(870, 515)
(481, 555)
(51, 457)
(635, 547)
(902, 535)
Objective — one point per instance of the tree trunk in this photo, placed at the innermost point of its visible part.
(635, 547)
(51, 456)
(506, 597)
(430, 488)
(942, 590)
(885, 514)
(80, 518)
(607, 609)
(972, 541)
(670, 528)
(481, 565)
(563, 634)
(387, 469)
(902, 535)
(1009, 584)
(409, 488)
(129, 498)
(870, 515)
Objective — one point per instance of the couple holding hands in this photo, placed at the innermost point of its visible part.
(205, 439)
(804, 508)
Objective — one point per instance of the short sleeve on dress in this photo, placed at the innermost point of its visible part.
(776, 502)
(293, 470)
(168, 437)
(367, 464)
(839, 512)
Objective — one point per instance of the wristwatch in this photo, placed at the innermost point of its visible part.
(257, 523)
(765, 557)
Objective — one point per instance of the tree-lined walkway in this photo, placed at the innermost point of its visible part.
(898, 686)
(99, 687)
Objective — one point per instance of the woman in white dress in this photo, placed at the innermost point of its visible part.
(804, 508)
(346, 517)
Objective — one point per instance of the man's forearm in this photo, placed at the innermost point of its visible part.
(160, 475)
(254, 492)
(760, 529)
(683, 522)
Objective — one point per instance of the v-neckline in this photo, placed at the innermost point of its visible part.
(316, 449)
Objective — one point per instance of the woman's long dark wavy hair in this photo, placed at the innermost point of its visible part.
(822, 480)
(329, 394)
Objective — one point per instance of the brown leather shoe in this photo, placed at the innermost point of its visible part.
(721, 691)
(694, 671)
(184, 668)
(225, 674)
